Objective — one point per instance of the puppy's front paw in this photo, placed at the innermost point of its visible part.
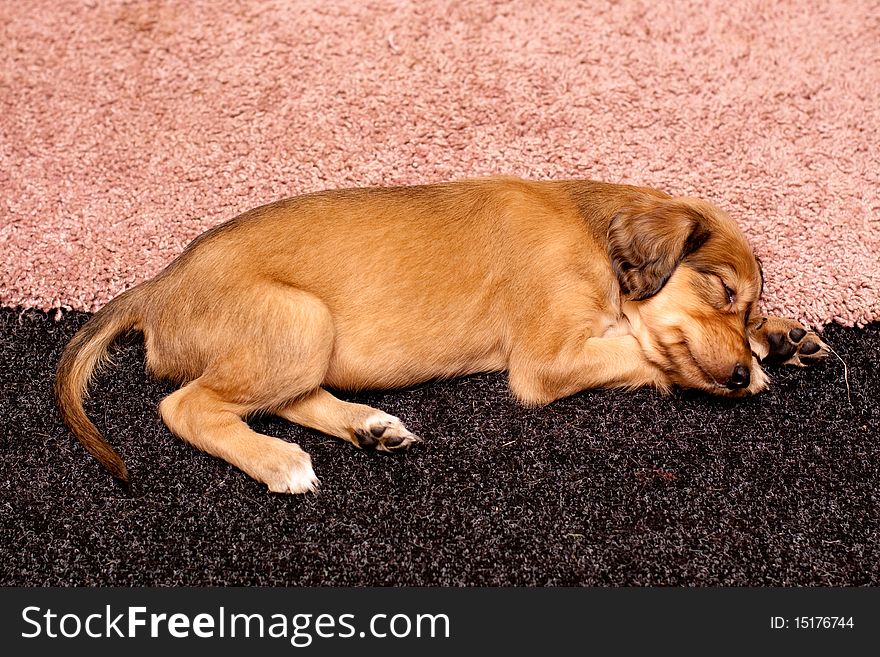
(384, 433)
(778, 341)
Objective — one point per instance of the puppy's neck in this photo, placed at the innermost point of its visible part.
(630, 311)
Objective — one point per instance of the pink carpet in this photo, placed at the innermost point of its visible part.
(126, 128)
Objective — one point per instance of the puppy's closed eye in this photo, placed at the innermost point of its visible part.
(729, 292)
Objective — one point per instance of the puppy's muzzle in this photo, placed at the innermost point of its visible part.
(740, 377)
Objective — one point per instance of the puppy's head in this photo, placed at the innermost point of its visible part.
(688, 273)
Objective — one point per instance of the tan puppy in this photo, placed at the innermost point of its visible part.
(565, 285)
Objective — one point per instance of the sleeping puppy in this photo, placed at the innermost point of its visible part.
(566, 285)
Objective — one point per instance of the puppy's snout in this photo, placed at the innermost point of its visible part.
(739, 378)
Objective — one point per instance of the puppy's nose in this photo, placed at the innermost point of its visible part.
(739, 378)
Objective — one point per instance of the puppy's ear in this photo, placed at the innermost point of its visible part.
(647, 241)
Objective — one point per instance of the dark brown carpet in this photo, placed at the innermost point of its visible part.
(604, 488)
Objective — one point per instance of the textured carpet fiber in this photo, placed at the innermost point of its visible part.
(126, 128)
(603, 488)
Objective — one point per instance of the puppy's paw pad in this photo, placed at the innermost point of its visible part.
(787, 342)
(809, 348)
(384, 433)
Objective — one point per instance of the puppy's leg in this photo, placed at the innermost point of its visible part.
(205, 420)
(538, 378)
(785, 341)
(361, 425)
(266, 345)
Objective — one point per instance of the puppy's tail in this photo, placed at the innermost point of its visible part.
(82, 356)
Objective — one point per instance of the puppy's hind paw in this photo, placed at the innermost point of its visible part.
(384, 433)
(292, 473)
